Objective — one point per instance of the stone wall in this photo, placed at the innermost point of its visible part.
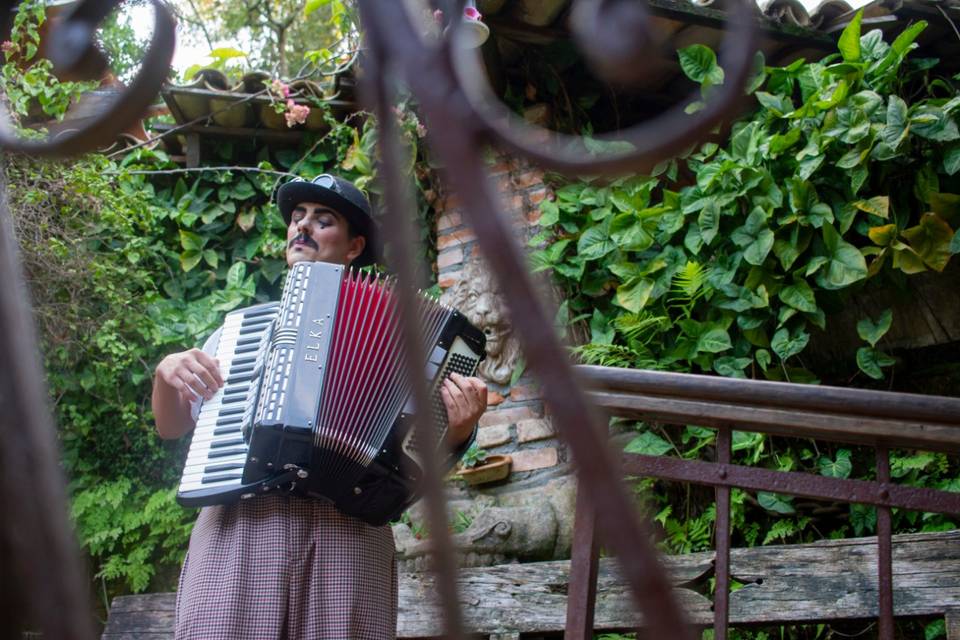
(529, 515)
(515, 422)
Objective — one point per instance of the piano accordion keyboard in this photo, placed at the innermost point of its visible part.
(217, 450)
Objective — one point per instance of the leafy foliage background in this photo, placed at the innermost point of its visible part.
(720, 261)
(844, 176)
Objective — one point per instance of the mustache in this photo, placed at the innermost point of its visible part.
(304, 238)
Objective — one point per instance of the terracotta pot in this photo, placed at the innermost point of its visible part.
(229, 111)
(495, 467)
(270, 118)
(192, 106)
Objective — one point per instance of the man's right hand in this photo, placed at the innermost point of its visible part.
(181, 379)
(192, 374)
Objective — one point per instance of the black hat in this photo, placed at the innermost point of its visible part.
(341, 196)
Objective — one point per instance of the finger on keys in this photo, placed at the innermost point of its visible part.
(212, 366)
(204, 379)
(453, 408)
(456, 394)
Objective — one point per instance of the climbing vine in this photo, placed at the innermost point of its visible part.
(844, 176)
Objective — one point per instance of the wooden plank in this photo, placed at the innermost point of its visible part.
(532, 598)
(785, 422)
(829, 580)
(837, 579)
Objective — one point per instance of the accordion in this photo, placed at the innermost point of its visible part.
(318, 398)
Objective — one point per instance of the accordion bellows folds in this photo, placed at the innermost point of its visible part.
(318, 395)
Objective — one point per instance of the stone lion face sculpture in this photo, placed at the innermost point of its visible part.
(476, 297)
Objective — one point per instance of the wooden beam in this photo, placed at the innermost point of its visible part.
(829, 580)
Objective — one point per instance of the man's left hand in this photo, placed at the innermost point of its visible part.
(466, 400)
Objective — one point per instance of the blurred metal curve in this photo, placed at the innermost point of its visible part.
(72, 45)
(652, 141)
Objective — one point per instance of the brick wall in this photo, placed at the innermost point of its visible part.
(515, 422)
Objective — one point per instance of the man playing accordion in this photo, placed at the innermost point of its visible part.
(281, 566)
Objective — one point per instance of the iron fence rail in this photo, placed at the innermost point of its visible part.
(871, 418)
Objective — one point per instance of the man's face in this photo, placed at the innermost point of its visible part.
(317, 233)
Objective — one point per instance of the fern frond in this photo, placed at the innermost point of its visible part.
(641, 327)
(689, 285)
(614, 355)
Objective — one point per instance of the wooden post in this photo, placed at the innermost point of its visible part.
(582, 592)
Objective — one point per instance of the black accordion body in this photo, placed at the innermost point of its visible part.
(318, 399)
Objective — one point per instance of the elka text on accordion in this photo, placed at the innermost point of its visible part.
(318, 395)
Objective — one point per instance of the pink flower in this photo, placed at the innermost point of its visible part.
(296, 113)
(471, 13)
(280, 88)
(438, 16)
(421, 130)
(7, 46)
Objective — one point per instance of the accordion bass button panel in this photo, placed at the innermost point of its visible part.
(460, 349)
(217, 454)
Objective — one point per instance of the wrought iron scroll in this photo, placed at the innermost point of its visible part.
(74, 53)
(447, 83)
(44, 584)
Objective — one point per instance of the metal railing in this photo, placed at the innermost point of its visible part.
(882, 420)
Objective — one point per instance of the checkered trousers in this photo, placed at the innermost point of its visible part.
(286, 568)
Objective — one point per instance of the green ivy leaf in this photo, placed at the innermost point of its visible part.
(849, 43)
(235, 275)
(649, 444)
(731, 367)
(778, 104)
(601, 329)
(699, 63)
(934, 630)
(955, 243)
(786, 344)
(714, 341)
(627, 229)
(549, 213)
(776, 503)
(634, 294)
(845, 264)
(898, 125)
(931, 240)
(877, 206)
(596, 242)
(763, 358)
(693, 241)
(871, 361)
(709, 222)
(863, 519)
(872, 331)
(754, 237)
(191, 241)
(839, 467)
(211, 258)
(929, 121)
(800, 296)
(951, 159)
(190, 259)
